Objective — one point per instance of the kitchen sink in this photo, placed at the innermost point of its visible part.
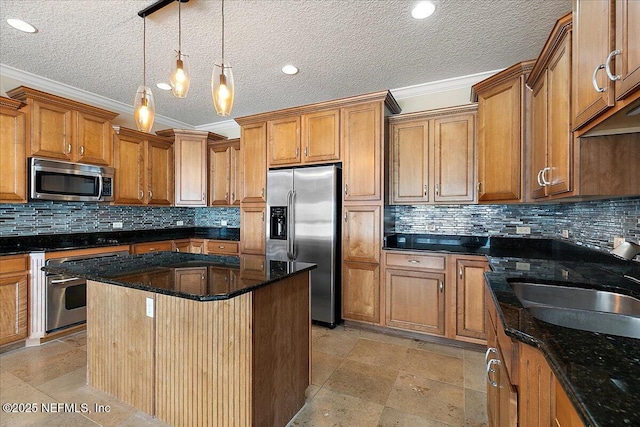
(586, 309)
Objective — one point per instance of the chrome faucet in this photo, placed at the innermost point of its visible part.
(626, 250)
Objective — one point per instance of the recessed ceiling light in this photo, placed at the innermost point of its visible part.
(21, 25)
(163, 86)
(290, 69)
(423, 10)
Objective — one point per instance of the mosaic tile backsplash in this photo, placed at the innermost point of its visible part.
(592, 224)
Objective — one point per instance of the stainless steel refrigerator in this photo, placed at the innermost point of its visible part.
(303, 206)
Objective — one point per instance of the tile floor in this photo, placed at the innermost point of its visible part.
(359, 378)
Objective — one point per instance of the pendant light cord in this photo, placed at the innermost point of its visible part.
(223, 35)
(179, 29)
(144, 51)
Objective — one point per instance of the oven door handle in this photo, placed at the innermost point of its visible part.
(56, 281)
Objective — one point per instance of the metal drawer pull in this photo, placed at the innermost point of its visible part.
(460, 272)
(413, 261)
(489, 370)
(82, 150)
(489, 351)
(68, 148)
(594, 81)
(441, 286)
(607, 66)
(221, 247)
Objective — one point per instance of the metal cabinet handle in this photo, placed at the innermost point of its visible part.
(346, 189)
(426, 189)
(594, 81)
(297, 152)
(226, 195)
(607, 66)
(413, 261)
(479, 187)
(202, 277)
(220, 246)
(539, 179)
(437, 189)
(489, 351)
(152, 249)
(177, 249)
(460, 272)
(233, 195)
(441, 286)
(489, 370)
(150, 194)
(262, 192)
(262, 216)
(345, 217)
(306, 151)
(544, 181)
(203, 195)
(141, 194)
(82, 150)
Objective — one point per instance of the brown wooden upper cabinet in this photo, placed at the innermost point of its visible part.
(501, 104)
(59, 128)
(432, 156)
(253, 147)
(225, 179)
(362, 152)
(551, 136)
(13, 163)
(606, 57)
(283, 136)
(190, 148)
(144, 168)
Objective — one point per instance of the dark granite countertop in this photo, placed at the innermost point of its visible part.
(600, 372)
(60, 242)
(222, 277)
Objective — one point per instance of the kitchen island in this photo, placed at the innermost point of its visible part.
(199, 339)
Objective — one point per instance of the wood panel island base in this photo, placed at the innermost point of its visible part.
(193, 358)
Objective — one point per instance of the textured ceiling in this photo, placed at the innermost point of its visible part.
(342, 48)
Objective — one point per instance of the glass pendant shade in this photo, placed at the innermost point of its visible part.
(222, 89)
(144, 109)
(180, 78)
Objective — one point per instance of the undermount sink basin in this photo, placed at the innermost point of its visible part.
(585, 309)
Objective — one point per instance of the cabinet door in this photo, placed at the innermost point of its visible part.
(13, 308)
(593, 40)
(627, 65)
(181, 246)
(192, 280)
(361, 292)
(500, 143)
(507, 396)
(471, 306)
(560, 138)
(51, 131)
(410, 162)
(190, 171)
(253, 146)
(492, 392)
(236, 176)
(13, 163)
(159, 173)
(539, 119)
(536, 388)
(94, 142)
(362, 145)
(284, 141)
(252, 230)
(361, 234)
(321, 136)
(454, 142)
(129, 170)
(219, 175)
(415, 301)
(222, 247)
(197, 246)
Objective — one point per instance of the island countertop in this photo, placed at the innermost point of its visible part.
(191, 276)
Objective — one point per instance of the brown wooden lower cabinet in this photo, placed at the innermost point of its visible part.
(361, 291)
(222, 247)
(14, 282)
(470, 300)
(144, 248)
(252, 229)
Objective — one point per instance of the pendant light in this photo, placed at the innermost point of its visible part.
(222, 89)
(179, 78)
(144, 107)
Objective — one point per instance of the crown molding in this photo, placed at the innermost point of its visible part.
(63, 90)
(226, 127)
(446, 85)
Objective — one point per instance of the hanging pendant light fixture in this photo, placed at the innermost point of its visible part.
(222, 89)
(179, 77)
(144, 106)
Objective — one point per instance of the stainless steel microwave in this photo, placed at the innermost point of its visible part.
(75, 182)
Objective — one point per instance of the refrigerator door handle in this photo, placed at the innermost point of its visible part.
(292, 230)
(289, 223)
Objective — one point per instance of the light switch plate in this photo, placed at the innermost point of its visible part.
(150, 307)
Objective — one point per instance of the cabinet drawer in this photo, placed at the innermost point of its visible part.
(13, 264)
(143, 248)
(414, 261)
(222, 247)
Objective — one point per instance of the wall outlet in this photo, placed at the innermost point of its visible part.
(117, 225)
(179, 222)
(523, 230)
(431, 227)
(223, 222)
(565, 234)
(617, 241)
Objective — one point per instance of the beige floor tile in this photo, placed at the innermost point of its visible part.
(392, 417)
(77, 340)
(474, 371)
(475, 409)
(311, 392)
(140, 419)
(389, 356)
(390, 339)
(428, 399)
(322, 366)
(441, 349)
(329, 408)
(361, 380)
(434, 366)
(332, 342)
